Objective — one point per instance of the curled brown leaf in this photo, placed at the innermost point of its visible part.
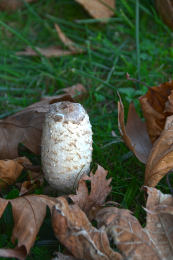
(134, 133)
(165, 10)
(160, 161)
(10, 170)
(154, 104)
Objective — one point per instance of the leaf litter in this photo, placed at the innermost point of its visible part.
(73, 215)
(157, 109)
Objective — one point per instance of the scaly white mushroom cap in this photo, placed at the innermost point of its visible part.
(66, 145)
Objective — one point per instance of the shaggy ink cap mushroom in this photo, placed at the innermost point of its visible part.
(66, 145)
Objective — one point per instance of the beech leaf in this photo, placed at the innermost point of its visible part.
(100, 189)
(73, 229)
(134, 133)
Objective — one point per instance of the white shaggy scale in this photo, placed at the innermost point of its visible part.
(66, 145)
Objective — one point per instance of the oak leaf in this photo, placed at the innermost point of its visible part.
(134, 133)
(10, 170)
(100, 189)
(28, 214)
(73, 229)
(98, 9)
(155, 241)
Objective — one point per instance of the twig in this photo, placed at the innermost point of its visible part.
(136, 80)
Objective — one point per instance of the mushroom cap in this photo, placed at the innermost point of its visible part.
(66, 145)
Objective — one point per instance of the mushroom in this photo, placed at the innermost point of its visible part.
(66, 151)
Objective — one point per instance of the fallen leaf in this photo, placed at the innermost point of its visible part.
(134, 133)
(18, 253)
(169, 104)
(29, 186)
(160, 161)
(28, 214)
(98, 9)
(155, 241)
(10, 170)
(165, 10)
(25, 127)
(12, 5)
(53, 51)
(100, 189)
(67, 42)
(153, 105)
(73, 229)
(77, 91)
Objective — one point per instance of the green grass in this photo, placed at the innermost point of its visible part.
(140, 46)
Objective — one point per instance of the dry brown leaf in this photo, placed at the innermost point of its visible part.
(134, 133)
(67, 42)
(77, 91)
(25, 127)
(53, 51)
(19, 253)
(154, 104)
(160, 161)
(155, 241)
(29, 186)
(100, 189)
(12, 5)
(28, 214)
(169, 104)
(10, 170)
(73, 229)
(165, 9)
(98, 8)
